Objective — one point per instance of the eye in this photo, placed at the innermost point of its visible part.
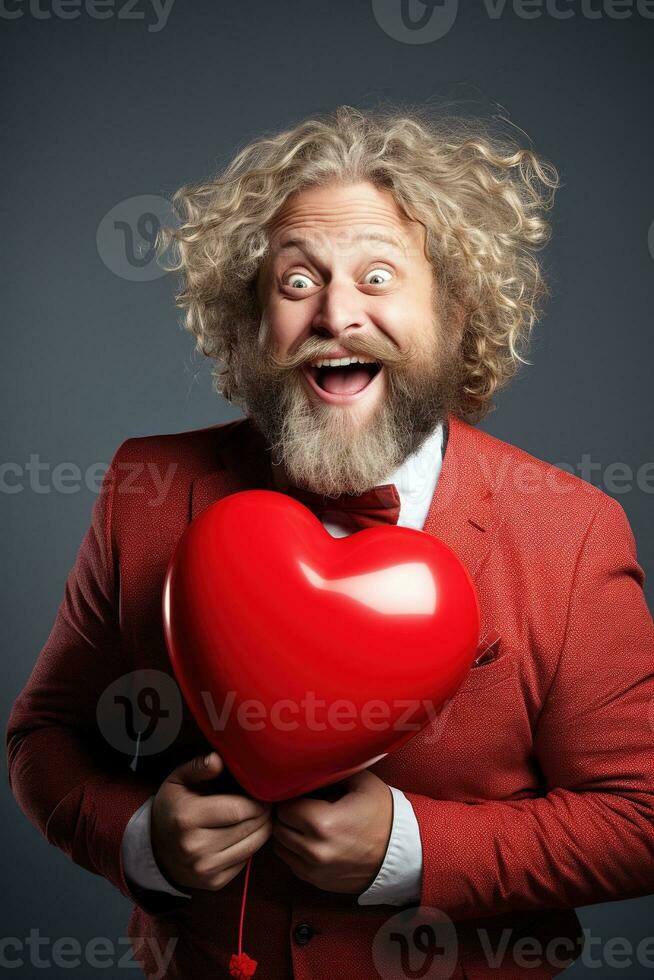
(295, 280)
(379, 274)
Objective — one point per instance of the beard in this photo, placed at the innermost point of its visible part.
(329, 449)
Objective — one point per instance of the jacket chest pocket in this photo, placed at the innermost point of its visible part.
(479, 746)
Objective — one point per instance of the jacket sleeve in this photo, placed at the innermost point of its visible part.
(590, 837)
(76, 790)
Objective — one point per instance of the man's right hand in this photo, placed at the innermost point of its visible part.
(202, 840)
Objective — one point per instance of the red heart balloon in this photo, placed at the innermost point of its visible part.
(305, 658)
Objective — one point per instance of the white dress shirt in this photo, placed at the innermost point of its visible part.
(399, 878)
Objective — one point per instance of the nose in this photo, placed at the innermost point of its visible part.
(341, 308)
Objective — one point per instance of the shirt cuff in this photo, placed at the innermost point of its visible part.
(400, 876)
(138, 859)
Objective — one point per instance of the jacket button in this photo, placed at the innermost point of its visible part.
(302, 934)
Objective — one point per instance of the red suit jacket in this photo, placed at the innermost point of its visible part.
(535, 794)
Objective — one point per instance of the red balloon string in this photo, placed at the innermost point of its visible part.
(242, 966)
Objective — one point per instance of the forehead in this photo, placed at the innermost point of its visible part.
(358, 215)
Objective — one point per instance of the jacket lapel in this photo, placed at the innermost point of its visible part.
(462, 512)
(243, 463)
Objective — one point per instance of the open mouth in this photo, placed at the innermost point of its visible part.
(342, 383)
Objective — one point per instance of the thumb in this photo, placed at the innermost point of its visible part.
(198, 770)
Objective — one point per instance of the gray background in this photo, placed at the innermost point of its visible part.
(97, 112)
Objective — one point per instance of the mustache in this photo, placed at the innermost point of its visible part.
(376, 348)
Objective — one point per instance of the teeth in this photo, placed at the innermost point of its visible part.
(341, 361)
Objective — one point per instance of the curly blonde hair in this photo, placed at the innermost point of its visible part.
(481, 198)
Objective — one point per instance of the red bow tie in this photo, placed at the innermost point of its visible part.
(381, 505)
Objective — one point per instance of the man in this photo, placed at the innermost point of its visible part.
(365, 283)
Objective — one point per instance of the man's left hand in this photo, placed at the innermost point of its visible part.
(337, 846)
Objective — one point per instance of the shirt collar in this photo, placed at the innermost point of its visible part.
(418, 474)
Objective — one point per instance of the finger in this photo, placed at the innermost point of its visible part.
(200, 769)
(223, 877)
(243, 849)
(239, 831)
(225, 810)
(307, 815)
(209, 879)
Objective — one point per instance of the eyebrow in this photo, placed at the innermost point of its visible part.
(377, 237)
